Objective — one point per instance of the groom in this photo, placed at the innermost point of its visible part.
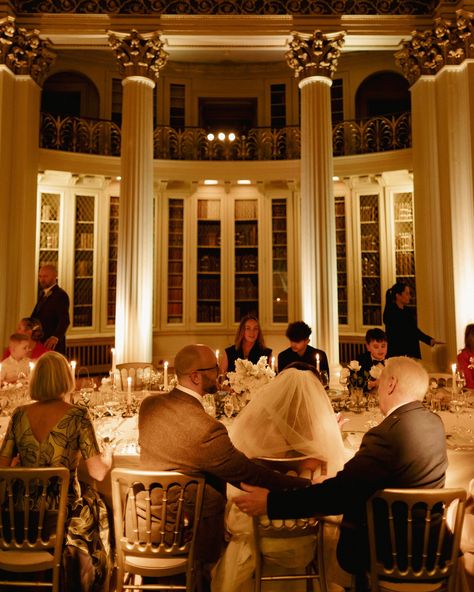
(407, 450)
(175, 433)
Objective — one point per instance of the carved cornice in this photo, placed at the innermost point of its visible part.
(23, 52)
(314, 55)
(139, 55)
(264, 7)
(427, 52)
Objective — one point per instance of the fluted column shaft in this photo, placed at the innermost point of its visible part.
(140, 58)
(439, 62)
(24, 62)
(314, 59)
(7, 88)
(134, 318)
(318, 234)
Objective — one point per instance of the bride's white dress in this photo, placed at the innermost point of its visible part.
(291, 416)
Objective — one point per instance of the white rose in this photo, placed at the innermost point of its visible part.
(354, 365)
(376, 371)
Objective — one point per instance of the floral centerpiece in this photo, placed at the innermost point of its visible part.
(249, 377)
(358, 378)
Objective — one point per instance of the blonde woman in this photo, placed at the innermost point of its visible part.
(51, 432)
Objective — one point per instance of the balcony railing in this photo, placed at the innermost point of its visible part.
(93, 136)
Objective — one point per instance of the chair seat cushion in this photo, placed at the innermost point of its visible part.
(166, 566)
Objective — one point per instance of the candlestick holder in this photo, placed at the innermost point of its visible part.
(128, 412)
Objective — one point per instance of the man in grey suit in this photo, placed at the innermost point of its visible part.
(406, 450)
(176, 433)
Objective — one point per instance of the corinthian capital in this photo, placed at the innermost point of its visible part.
(446, 43)
(139, 55)
(23, 51)
(314, 55)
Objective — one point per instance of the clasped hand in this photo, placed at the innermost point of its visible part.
(254, 502)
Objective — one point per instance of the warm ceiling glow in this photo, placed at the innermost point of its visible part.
(210, 182)
(244, 182)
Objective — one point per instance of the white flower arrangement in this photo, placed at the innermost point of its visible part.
(359, 379)
(249, 377)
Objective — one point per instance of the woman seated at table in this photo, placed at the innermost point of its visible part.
(466, 356)
(33, 329)
(51, 432)
(289, 417)
(249, 345)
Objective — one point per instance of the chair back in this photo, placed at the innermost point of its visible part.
(139, 372)
(414, 536)
(443, 379)
(33, 504)
(312, 528)
(156, 515)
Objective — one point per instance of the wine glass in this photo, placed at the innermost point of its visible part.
(228, 406)
(460, 381)
(324, 378)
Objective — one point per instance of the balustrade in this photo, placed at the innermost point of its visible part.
(94, 136)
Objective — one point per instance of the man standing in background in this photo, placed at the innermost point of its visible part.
(52, 309)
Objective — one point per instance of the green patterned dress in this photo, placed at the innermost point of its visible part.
(87, 542)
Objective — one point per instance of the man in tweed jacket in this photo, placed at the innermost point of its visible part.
(176, 433)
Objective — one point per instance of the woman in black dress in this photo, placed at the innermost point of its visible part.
(249, 345)
(403, 334)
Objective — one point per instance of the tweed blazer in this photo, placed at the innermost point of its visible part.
(175, 433)
(406, 450)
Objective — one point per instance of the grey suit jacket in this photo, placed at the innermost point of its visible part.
(407, 450)
(175, 433)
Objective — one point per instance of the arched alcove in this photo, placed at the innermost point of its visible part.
(382, 93)
(70, 93)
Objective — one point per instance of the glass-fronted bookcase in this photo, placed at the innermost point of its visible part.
(223, 263)
(375, 246)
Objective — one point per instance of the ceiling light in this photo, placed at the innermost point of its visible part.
(210, 137)
(335, 178)
(118, 178)
(210, 182)
(231, 136)
(244, 182)
(221, 136)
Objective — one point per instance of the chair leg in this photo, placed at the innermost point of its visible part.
(258, 572)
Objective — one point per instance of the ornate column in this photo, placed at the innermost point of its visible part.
(140, 58)
(438, 63)
(25, 61)
(314, 60)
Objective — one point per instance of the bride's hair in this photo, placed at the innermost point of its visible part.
(290, 416)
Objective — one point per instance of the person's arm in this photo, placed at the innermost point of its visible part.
(99, 465)
(224, 363)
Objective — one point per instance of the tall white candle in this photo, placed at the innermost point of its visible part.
(165, 375)
(453, 370)
(129, 390)
(273, 363)
(73, 371)
(0, 373)
(317, 362)
(217, 356)
(112, 351)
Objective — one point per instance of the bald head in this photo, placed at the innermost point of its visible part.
(47, 276)
(196, 368)
(402, 380)
(192, 357)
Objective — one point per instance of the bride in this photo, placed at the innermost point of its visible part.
(287, 418)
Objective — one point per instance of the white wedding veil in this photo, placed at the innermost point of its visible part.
(290, 416)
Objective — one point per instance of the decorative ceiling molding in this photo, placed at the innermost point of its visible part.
(227, 7)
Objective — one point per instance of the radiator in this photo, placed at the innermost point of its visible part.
(94, 355)
(349, 350)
